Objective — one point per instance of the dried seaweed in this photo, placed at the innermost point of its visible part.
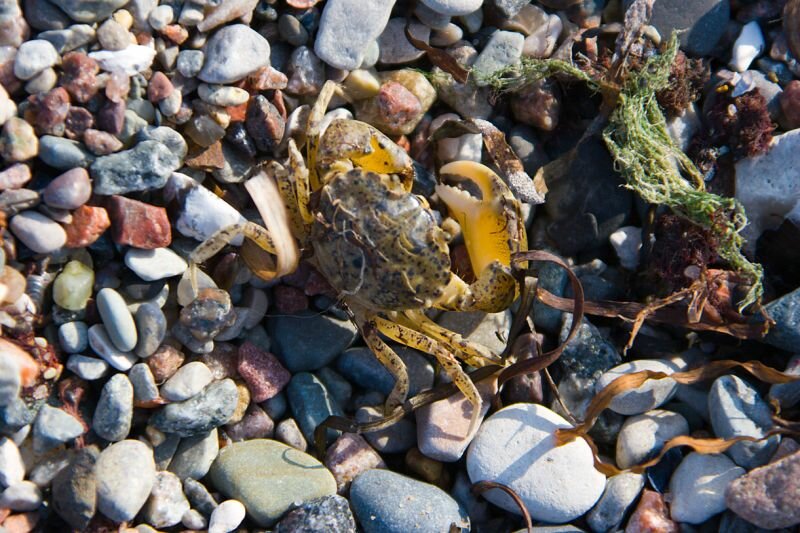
(482, 486)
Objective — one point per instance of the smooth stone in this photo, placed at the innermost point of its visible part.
(621, 492)
(479, 327)
(201, 413)
(146, 166)
(300, 352)
(736, 410)
(152, 265)
(243, 470)
(398, 437)
(166, 136)
(165, 449)
(311, 404)
(516, 446)
(10, 380)
(12, 468)
(90, 10)
(33, 57)
(69, 190)
(747, 46)
(627, 241)
(166, 505)
(705, 20)
(132, 60)
(101, 343)
(453, 8)
(788, 394)
(227, 517)
(188, 381)
(194, 520)
(202, 212)
(63, 154)
(22, 496)
(643, 436)
(387, 502)
(144, 384)
(88, 368)
(199, 496)
(38, 232)
(114, 412)
(394, 46)
(785, 311)
(125, 473)
(331, 513)
(151, 326)
(653, 393)
(73, 286)
(233, 53)
(73, 337)
(698, 487)
(362, 367)
(347, 28)
(503, 50)
(194, 455)
(54, 426)
(117, 319)
(74, 489)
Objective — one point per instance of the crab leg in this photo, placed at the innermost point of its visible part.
(388, 358)
(473, 354)
(419, 341)
(313, 130)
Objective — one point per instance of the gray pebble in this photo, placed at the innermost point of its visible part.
(194, 455)
(73, 337)
(33, 57)
(360, 366)
(346, 29)
(643, 436)
(167, 504)
(788, 394)
(22, 496)
(698, 486)
(299, 351)
(10, 382)
(503, 49)
(54, 426)
(211, 408)
(90, 10)
(395, 48)
(165, 451)
(74, 489)
(125, 474)
(653, 393)
(620, 494)
(188, 381)
(64, 154)
(291, 30)
(190, 62)
(88, 368)
(192, 519)
(398, 437)
(311, 404)
(117, 319)
(146, 166)
(38, 232)
(102, 346)
(276, 406)
(114, 411)
(144, 384)
(199, 497)
(151, 328)
(232, 53)
(68, 39)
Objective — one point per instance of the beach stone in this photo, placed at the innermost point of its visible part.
(140, 225)
(768, 496)
(102, 345)
(201, 413)
(165, 362)
(117, 319)
(387, 502)
(330, 513)
(155, 264)
(167, 504)
(651, 515)
(244, 469)
(38, 232)
(301, 352)
(347, 28)
(736, 409)
(785, 311)
(22, 496)
(12, 468)
(88, 224)
(114, 412)
(706, 21)
(360, 366)
(73, 337)
(18, 140)
(54, 426)
(556, 483)
(643, 436)
(394, 46)
(227, 517)
(620, 494)
(453, 8)
(130, 61)
(88, 368)
(289, 433)
(264, 374)
(74, 489)
(151, 326)
(63, 154)
(398, 437)
(306, 72)
(698, 487)
(233, 53)
(264, 124)
(125, 473)
(255, 424)
(15, 176)
(202, 213)
(33, 57)
(90, 10)
(653, 393)
(146, 166)
(503, 49)
(188, 381)
(788, 394)
(311, 404)
(349, 456)
(69, 190)
(145, 389)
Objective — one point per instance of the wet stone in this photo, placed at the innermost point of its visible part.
(114, 412)
(209, 409)
(74, 489)
(146, 166)
(208, 314)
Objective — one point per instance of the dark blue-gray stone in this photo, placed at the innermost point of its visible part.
(704, 20)
(554, 279)
(331, 513)
(199, 497)
(15, 415)
(788, 394)
(311, 404)
(54, 426)
(74, 489)
(63, 154)
(146, 166)
(785, 311)
(339, 387)
(114, 411)
(201, 413)
(360, 366)
(151, 328)
(387, 502)
(309, 341)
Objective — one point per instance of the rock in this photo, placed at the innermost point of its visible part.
(145, 389)
(68, 39)
(301, 352)
(706, 21)
(255, 424)
(651, 515)
(118, 321)
(788, 394)
(54, 426)
(264, 124)
(90, 10)
(22, 496)
(347, 28)
(384, 501)
(166, 504)
(747, 46)
(33, 57)
(202, 213)
(74, 489)
(653, 393)
(209, 409)
(767, 496)
(188, 381)
(18, 140)
(453, 8)
(643, 436)
(264, 374)
(402, 100)
(515, 446)
(73, 286)
(194, 520)
(15, 176)
(63, 154)
(503, 50)
(151, 326)
(737, 410)
(331, 513)
(311, 404)
(698, 487)
(155, 264)
(146, 166)
(244, 469)
(538, 105)
(233, 53)
(479, 327)
(790, 105)
(306, 72)
(349, 456)
(199, 497)
(12, 469)
(360, 366)
(88, 224)
(165, 362)
(114, 411)
(69, 190)
(620, 494)
(394, 46)
(125, 473)
(443, 427)
(38, 232)
(102, 346)
(130, 61)
(627, 241)
(785, 311)
(396, 438)
(226, 517)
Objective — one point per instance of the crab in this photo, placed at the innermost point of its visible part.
(380, 246)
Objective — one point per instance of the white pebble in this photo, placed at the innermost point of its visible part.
(627, 241)
(152, 265)
(651, 394)
(189, 380)
(698, 486)
(102, 346)
(12, 469)
(33, 57)
(22, 496)
(130, 61)
(88, 368)
(747, 47)
(226, 517)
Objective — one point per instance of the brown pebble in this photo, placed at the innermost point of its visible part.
(79, 120)
(207, 159)
(15, 176)
(88, 223)
(397, 105)
(165, 362)
(349, 456)
(111, 117)
(101, 142)
(117, 86)
(651, 515)
(159, 87)
(256, 424)
(80, 76)
(138, 224)
(222, 360)
(242, 404)
(267, 78)
(48, 111)
(538, 105)
(175, 33)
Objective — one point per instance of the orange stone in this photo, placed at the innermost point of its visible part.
(88, 223)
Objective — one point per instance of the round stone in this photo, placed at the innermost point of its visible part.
(114, 411)
(151, 327)
(73, 337)
(698, 486)
(652, 394)
(117, 319)
(144, 384)
(74, 489)
(70, 190)
(54, 426)
(232, 53)
(189, 380)
(643, 436)
(209, 409)
(22, 496)
(152, 265)
(88, 368)
(73, 286)
(620, 494)
(38, 232)
(126, 472)
(516, 446)
(226, 517)
(33, 57)
(194, 455)
(167, 504)
(102, 346)
(454, 8)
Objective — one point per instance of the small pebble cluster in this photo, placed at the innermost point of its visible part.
(127, 128)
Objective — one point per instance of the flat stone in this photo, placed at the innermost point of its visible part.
(189, 380)
(38, 232)
(101, 343)
(643, 436)
(620, 494)
(698, 487)
(269, 478)
(90, 10)
(74, 489)
(114, 412)
(130, 61)
(516, 447)
(503, 50)
(330, 513)
(454, 8)
(311, 404)
(125, 473)
(54, 426)
(151, 326)
(384, 501)
(201, 413)
(233, 53)
(299, 351)
(117, 319)
(146, 166)
(63, 154)
(167, 504)
(360, 366)
(653, 393)
(155, 264)
(88, 368)
(395, 48)
(347, 28)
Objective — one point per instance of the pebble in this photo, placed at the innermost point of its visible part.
(125, 473)
(199, 497)
(38, 232)
(387, 502)
(398, 437)
(737, 410)
(69, 190)
(145, 389)
(349, 456)
(394, 46)
(130, 61)
(88, 368)
(705, 22)
(73, 337)
(68, 39)
(243, 469)
(515, 447)
(264, 374)
(479, 327)
(102, 345)
(188, 381)
(22, 496)
(88, 224)
(166, 505)
(226, 517)
(347, 28)
(698, 487)
(117, 320)
(653, 393)
(165, 362)
(225, 12)
(222, 95)
(63, 154)
(190, 62)
(151, 326)
(453, 8)
(155, 264)
(360, 366)
(785, 311)
(74, 488)
(90, 10)
(264, 123)
(651, 515)
(767, 496)
(289, 433)
(300, 352)
(292, 30)
(331, 513)
(114, 412)
(54, 426)
(73, 286)
(503, 50)
(643, 436)
(203, 213)
(788, 394)
(747, 46)
(18, 140)
(15, 176)
(33, 57)
(142, 226)
(12, 469)
(255, 424)
(311, 404)
(620, 494)
(146, 166)
(627, 241)
(194, 520)
(233, 53)
(209, 409)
